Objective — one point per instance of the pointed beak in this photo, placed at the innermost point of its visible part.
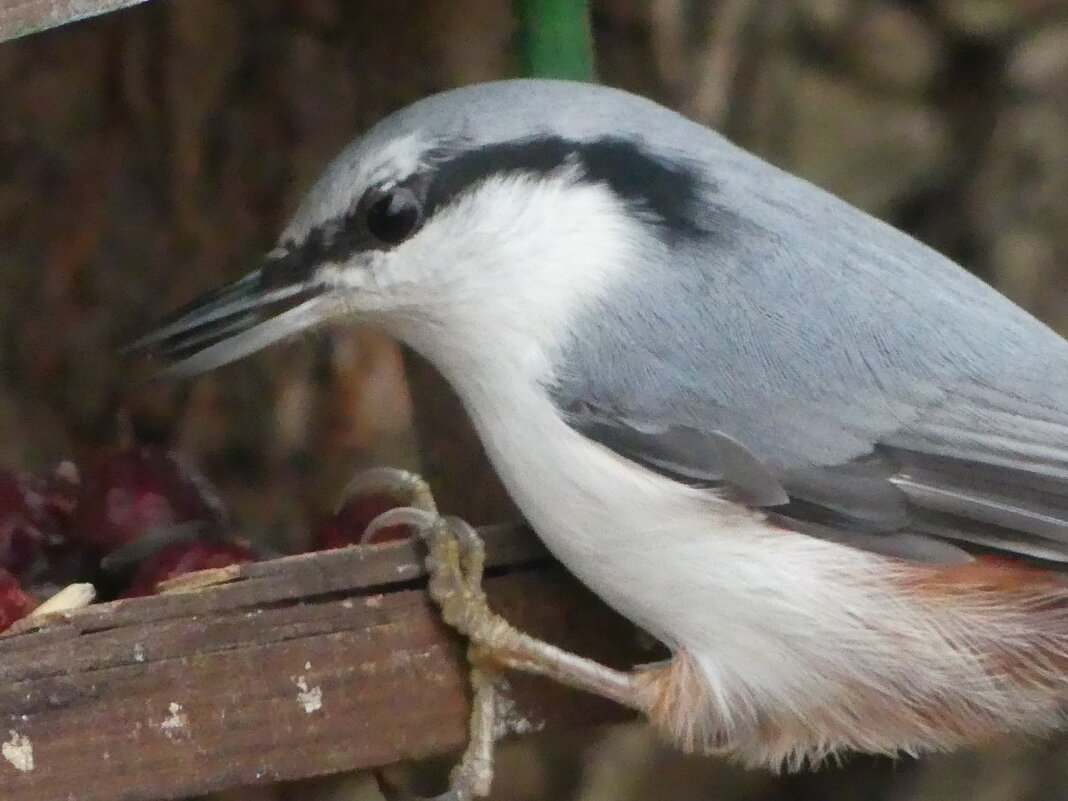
(264, 307)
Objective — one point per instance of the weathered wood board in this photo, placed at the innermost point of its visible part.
(298, 667)
(22, 17)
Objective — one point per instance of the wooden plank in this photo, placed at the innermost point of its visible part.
(299, 667)
(23, 17)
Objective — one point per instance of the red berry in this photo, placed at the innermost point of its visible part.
(14, 603)
(187, 557)
(346, 526)
(132, 490)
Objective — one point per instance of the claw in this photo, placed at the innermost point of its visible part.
(392, 480)
(419, 519)
(464, 532)
(472, 551)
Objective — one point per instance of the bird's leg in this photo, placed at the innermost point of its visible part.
(471, 777)
(672, 695)
(454, 564)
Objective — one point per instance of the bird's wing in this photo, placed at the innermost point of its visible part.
(982, 470)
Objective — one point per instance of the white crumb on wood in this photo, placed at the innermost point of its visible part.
(68, 599)
(310, 698)
(19, 752)
(175, 722)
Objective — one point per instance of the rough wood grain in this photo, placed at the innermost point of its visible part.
(298, 667)
(23, 17)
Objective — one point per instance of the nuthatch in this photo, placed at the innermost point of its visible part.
(825, 465)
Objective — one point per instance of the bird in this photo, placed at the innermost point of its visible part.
(825, 465)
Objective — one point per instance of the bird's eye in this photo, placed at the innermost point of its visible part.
(392, 215)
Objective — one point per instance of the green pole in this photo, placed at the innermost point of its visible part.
(554, 39)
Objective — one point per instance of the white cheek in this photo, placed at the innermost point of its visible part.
(359, 282)
(500, 272)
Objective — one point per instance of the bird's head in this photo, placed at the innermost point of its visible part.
(472, 225)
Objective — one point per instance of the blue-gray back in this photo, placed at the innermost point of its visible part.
(807, 357)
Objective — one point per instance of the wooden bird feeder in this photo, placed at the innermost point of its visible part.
(297, 667)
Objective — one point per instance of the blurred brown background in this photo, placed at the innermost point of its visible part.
(152, 154)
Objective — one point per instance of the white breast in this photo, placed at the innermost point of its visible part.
(704, 575)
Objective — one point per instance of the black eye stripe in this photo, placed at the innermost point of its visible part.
(667, 190)
(293, 262)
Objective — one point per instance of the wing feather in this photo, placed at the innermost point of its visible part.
(982, 471)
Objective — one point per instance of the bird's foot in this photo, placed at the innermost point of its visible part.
(473, 774)
(454, 562)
